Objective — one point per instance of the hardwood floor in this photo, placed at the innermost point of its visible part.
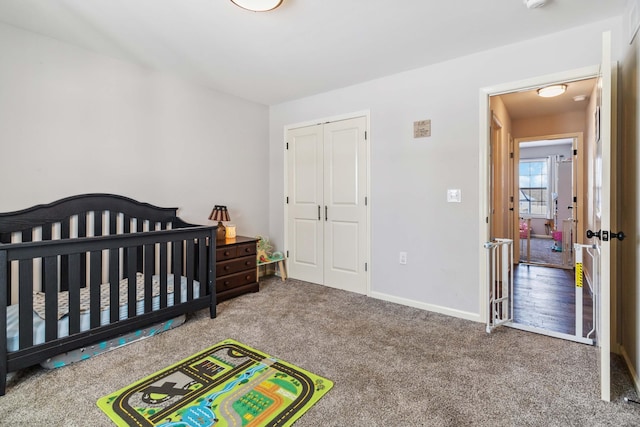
(545, 298)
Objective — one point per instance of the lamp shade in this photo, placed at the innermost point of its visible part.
(257, 5)
(219, 213)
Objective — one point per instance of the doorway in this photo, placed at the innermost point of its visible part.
(545, 164)
(548, 207)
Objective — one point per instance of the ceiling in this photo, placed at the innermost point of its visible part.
(302, 48)
(527, 104)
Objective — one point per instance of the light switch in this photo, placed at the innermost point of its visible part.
(454, 195)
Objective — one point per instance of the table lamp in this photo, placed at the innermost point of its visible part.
(220, 213)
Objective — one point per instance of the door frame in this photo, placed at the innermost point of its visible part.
(346, 116)
(484, 189)
(578, 183)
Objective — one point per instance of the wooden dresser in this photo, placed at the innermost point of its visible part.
(236, 267)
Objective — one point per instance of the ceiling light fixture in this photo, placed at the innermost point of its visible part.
(579, 98)
(257, 5)
(551, 91)
(532, 4)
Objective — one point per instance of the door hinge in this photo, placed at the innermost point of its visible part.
(511, 155)
(287, 199)
(575, 152)
(365, 266)
(511, 199)
(365, 200)
(365, 135)
(287, 145)
(486, 220)
(287, 254)
(575, 199)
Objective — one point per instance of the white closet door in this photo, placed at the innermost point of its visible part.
(326, 216)
(345, 185)
(306, 206)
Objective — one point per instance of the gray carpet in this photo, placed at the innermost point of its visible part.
(392, 366)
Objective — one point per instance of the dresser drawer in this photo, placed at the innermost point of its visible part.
(235, 265)
(227, 252)
(246, 249)
(235, 280)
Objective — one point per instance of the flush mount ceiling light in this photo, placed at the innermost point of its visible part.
(551, 91)
(257, 5)
(532, 4)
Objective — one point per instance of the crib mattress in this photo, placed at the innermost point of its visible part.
(63, 316)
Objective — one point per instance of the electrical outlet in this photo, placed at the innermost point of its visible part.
(403, 257)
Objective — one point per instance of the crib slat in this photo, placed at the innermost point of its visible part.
(131, 276)
(97, 223)
(8, 285)
(177, 258)
(163, 274)
(74, 293)
(64, 259)
(82, 232)
(95, 279)
(3, 320)
(114, 285)
(27, 235)
(50, 279)
(189, 272)
(202, 265)
(140, 257)
(25, 299)
(149, 255)
(46, 231)
(112, 223)
(126, 229)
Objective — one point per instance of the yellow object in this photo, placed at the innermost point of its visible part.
(231, 231)
(578, 275)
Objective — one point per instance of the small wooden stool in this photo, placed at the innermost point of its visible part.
(279, 267)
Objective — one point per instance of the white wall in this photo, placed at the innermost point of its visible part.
(72, 122)
(409, 177)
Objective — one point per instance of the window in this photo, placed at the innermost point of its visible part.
(534, 187)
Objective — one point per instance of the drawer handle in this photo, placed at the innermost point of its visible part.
(248, 276)
(226, 253)
(247, 249)
(226, 283)
(247, 263)
(226, 267)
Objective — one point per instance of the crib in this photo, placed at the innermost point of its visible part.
(92, 267)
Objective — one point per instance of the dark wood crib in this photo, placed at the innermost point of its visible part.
(109, 249)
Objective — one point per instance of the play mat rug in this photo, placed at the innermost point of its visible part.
(228, 384)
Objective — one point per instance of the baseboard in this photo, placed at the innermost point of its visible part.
(475, 317)
(632, 371)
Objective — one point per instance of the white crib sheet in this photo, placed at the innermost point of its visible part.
(63, 323)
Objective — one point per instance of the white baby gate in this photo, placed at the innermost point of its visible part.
(500, 280)
(594, 252)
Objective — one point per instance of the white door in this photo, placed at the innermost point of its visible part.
(603, 221)
(305, 162)
(345, 184)
(326, 212)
